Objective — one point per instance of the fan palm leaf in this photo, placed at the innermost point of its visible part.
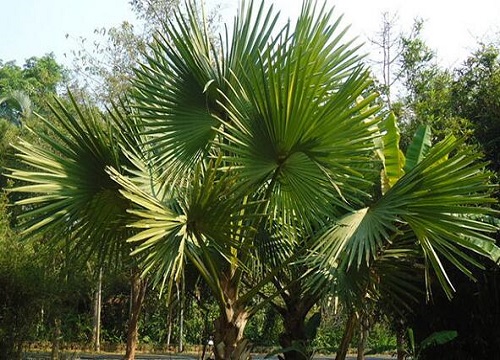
(437, 201)
(66, 187)
(204, 225)
(293, 136)
(177, 90)
(16, 106)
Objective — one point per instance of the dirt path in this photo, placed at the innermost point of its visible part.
(83, 356)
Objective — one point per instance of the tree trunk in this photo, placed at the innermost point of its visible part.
(229, 343)
(297, 334)
(364, 326)
(400, 343)
(56, 339)
(96, 331)
(180, 298)
(294, 334)
(347, 336)
(138, 292)
(169, 322)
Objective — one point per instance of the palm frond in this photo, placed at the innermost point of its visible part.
(66, 186)
(295, 135)
(16, 106)
(438, 200)
(203, 225)
(171, 97)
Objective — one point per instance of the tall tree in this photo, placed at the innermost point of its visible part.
(105, 67)
(475, 97)
(389, 44)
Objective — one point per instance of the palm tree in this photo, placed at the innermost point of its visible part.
(232, 154)
(67, 194)
(391, 274)
(15, 106)
(379, 251)
(277, 115)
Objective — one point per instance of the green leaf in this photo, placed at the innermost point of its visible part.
(67, 192)
(419, 147)
(438, 338)
(391, 155)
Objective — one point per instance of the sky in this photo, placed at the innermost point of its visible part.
(453, 29)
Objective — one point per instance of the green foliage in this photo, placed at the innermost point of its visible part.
(435, 339)
(264, 327)
(416, 61)
(418, 148)
(39, 78)
(381, 338)
(391, 155)
(426, 96)
(475, 96)
(35, 288)
(8, 134)
(330, 330)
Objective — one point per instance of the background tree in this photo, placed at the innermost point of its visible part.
(39, 78)
(389, 44)
(106, 67)
(475, 97)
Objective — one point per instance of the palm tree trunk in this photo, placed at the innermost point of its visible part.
(363, 338)
(56, 339)
(293, 334)
(169, 331)
(137, 298)
(229, 343)
(180, 298)
(400, 343)
(350, 326)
